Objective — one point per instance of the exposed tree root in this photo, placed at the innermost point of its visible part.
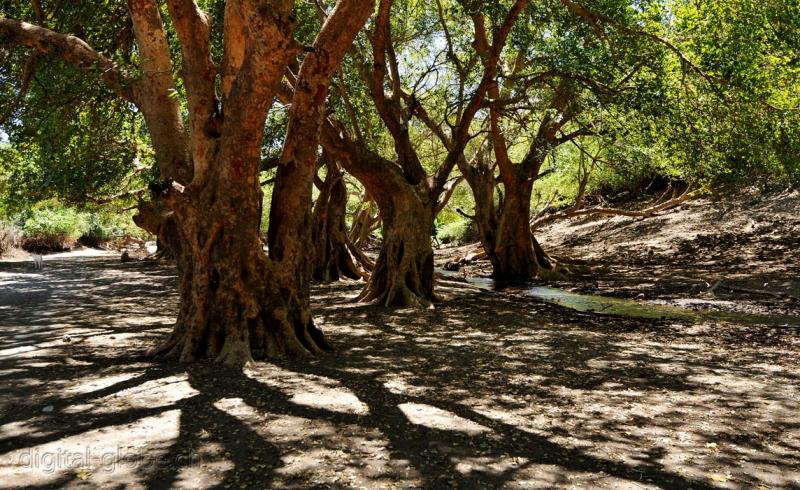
(238, 310)
(401, 278)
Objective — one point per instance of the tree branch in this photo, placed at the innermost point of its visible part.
(389, 109)
(643, 213)
(71, 49)
(28, 70)
(194, 31)
(289, 213)
(593, 17)
(155, 92)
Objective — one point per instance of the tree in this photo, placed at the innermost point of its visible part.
(407, 195)
(332, 259)
(572, 69)
(237, 303)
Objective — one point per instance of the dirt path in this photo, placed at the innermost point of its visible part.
(484, 391)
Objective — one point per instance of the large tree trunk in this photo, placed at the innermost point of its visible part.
(481, 181)
(403, 274)
(332, 259)
(513, 258)
(504, 227)
(236, 303)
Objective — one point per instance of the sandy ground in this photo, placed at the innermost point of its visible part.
(487, 390)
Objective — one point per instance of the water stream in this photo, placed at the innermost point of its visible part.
(630, 307)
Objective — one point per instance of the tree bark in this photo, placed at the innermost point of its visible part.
(504, 227)
(513, 258)
(409, 198)
(515, 254)
(332, 259)
(236, 303)
(244, 304)
(403, 273)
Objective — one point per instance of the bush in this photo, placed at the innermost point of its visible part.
(53, 230)
(97, 232)
(457, 232)
(10, 237)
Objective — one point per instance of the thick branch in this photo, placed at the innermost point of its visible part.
(643, 213)
(269, 47)
(448, 193)
(156, 90)
(545, 139)
(371, 169)
(389, 109)
(194, 31)
(70, 48)
(290, 206)
(491, 56)
(234, 48)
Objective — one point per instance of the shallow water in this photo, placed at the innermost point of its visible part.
(632, 308)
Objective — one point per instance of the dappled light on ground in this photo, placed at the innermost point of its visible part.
(107, 454)
(436, 418)
(486, 390)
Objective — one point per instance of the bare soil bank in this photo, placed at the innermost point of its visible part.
(739, 254)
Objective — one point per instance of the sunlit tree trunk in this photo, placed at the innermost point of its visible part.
(403, 273)
(236, 302)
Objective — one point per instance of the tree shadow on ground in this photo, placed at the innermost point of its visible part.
(484, 391)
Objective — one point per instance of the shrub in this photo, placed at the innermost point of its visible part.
(10, 237)
(53, 230)
(97, 232)
(457, 232)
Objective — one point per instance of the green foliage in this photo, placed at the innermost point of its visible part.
(51, 226)
(455, 232)
(98, 230)
(64, 222)
(52, 229)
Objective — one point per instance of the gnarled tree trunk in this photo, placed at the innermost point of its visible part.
(236, 303)
(407, 196)
(504, 227)
(403, 273)
(512, 256)
(332, 259)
